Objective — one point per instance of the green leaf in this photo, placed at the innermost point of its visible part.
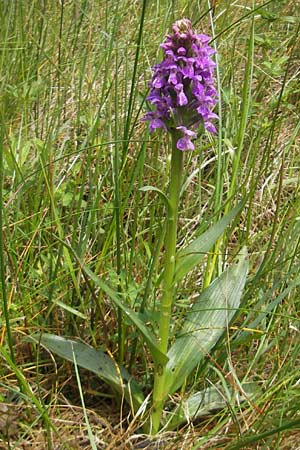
(159, 192)
(195, 252)
(70, 309)
(206, 402)
(206, 322)
(96, 361)
(158, 356)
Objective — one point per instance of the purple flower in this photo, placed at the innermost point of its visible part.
(182, 87)
(185, 142)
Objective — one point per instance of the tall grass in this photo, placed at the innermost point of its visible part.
(74, 76)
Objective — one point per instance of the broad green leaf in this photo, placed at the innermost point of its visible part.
(206, 322)
(208, 401)
(96, 361)
(158, 356)
(194, 253)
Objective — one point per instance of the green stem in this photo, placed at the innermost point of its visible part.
(159, 395)
(2, 269)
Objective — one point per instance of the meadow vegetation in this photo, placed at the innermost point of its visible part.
(74, 156)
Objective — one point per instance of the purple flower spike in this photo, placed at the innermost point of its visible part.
(182, 87)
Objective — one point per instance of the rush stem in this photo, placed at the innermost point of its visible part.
(159, 394)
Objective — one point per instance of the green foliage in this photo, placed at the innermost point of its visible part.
(208, 401)
(206, 322)
(73, 78)
(157, 355)
(204, 325)
(192, 255)
(96, 361)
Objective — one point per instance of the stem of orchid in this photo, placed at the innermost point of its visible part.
(159, 394)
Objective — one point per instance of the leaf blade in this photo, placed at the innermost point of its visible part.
(159, 192)
(206, 402)
(194, 253)
(94, 360)
(158, 356)
(208, 319)
(70, 309)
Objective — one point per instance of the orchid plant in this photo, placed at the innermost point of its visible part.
(183, 96)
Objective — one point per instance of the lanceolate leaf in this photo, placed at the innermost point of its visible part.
(205, 323)
(211, 399)
(96, 361)
(195, 252)
(157, 355)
